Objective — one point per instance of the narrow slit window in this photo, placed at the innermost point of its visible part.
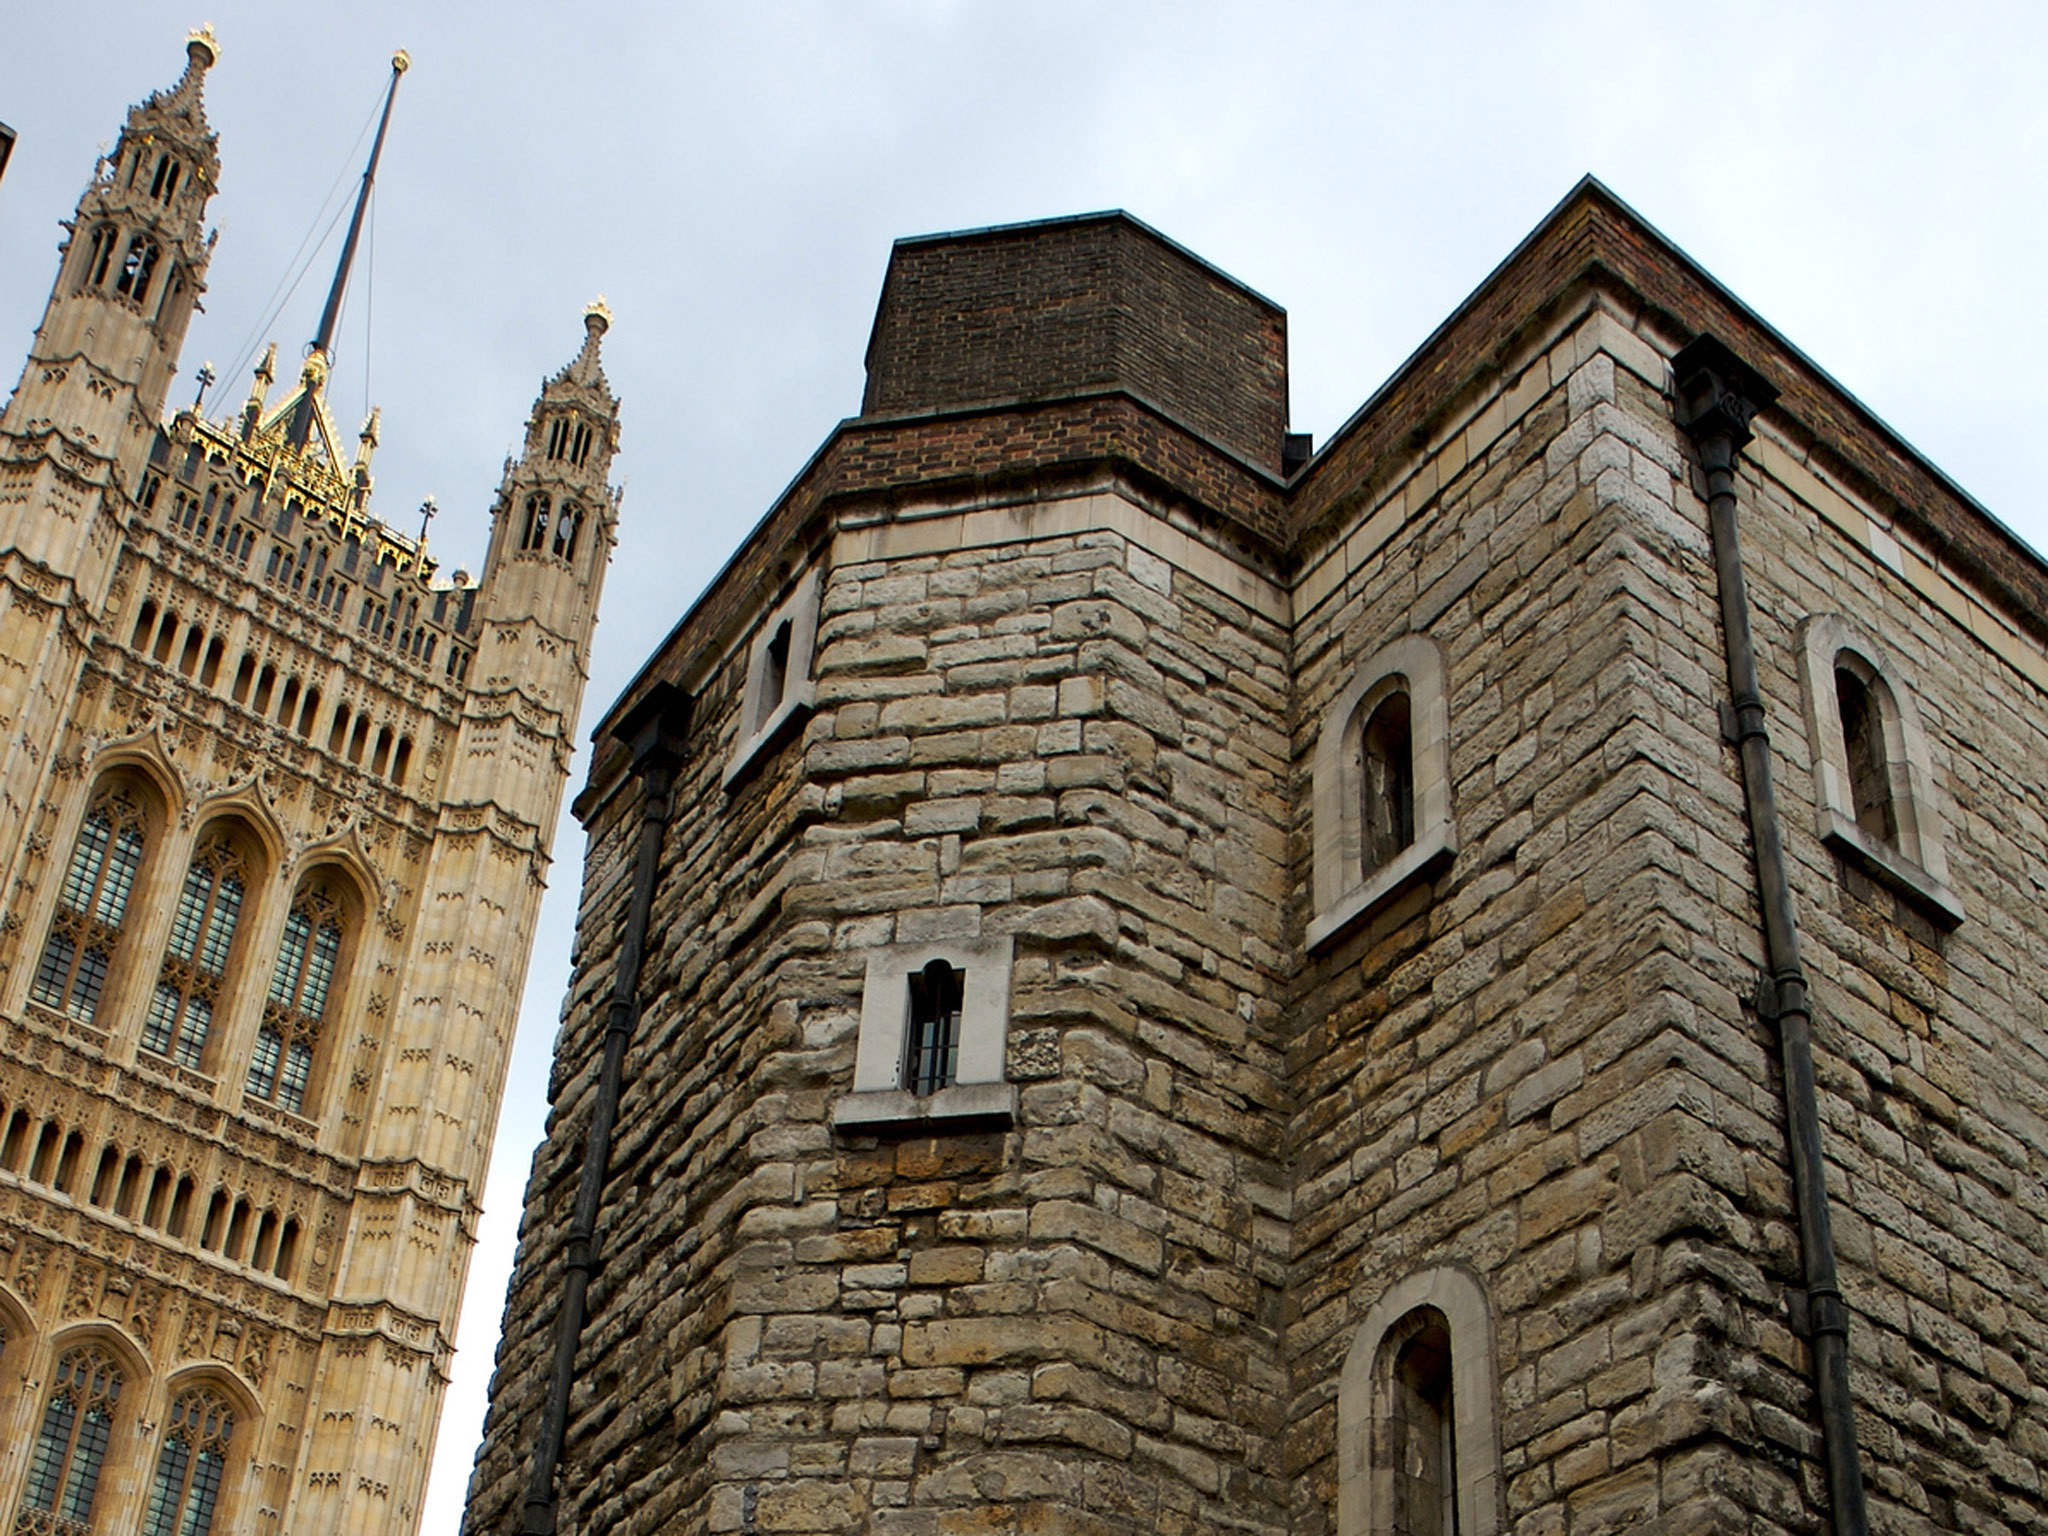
(1870, 783)
(774, 673)
(933, 1060)
(1387, 782)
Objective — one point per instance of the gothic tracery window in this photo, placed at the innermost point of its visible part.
(202, 936)
(538, 506)
(566, 528)
(301, 988)
(71, 1446)
(185, 1490)
(91, 906)
(136, 268)
(99, 256)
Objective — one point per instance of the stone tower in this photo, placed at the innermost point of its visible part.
(278, 799)
(1137, 979)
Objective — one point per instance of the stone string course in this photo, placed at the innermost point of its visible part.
(1129, 1311)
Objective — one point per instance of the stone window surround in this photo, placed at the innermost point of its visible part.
(1475, 1410)
(1343, 894)
(1917, 864)
(799, 690)
(979, 1091)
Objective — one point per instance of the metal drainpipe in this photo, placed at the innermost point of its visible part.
(1717, 395)
(654, 732)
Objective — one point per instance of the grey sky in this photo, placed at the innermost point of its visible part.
(1868, 177)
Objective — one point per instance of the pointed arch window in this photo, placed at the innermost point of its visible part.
(567, 527)
(71, 1446)
(1381, 787)
(137, 267)
(92, 904)
(301, 989)
(538, 507)
(99, 256)
(188, 987)
(184, 1493)
(1418, 1444)
(1875, 796)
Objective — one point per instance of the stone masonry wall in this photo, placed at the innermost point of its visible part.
(1075, 1320)
(1130, 1311)
(1929, 1044)
(1516, 1075)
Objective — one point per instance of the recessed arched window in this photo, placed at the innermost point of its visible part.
(71, 1445)
(185, 1491)
(1386, 750)
(1418, 1450)
(92, 905)
(1380, 791)
(1860, 711)
(301, 993)
(188, 987)
(1873, 776)
(137, 267)
(538, 507)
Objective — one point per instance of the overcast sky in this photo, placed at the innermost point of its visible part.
(1868, 177)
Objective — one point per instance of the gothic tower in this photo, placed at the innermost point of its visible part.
(278, 799)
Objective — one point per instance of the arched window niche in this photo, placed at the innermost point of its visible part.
(96, 909)
(1873, 779)
(200, 955)
(1418, 1415)
(307, 979)
(82, 1420)
(1380, 789)
(189, 1491)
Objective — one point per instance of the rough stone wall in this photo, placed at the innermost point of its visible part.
(1075, 1320)
(1130, 1312)
(1511, 1074)
(1929, 1046)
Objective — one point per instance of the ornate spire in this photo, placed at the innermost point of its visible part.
(587, 368)
(323, 344)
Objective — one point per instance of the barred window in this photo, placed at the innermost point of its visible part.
(934, 1057)
(71, 1447)
(185, 1491)
(300, 988)
(91, 906)
(202, 937)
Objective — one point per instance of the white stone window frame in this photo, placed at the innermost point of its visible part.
(799, 688)
(1344, 894)
(1917, 864)
(980, 1090)
(1364, 1489)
